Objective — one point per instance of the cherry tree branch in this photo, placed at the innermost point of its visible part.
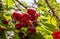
(22, 4)
(17, 6)
(52, 10)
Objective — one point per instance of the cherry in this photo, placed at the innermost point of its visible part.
(31, 30)
(29, 23)
(2, 29)
(34, 17)
(21, 34)
(16, 16)
(25, 17)
(5, 21)
(18, 26)
(56, 35)
(23, 24)
(31, 12)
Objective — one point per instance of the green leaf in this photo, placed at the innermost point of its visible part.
(16, 36)
(50, 26)
(38, 35)
(7, 15)
(9, 2)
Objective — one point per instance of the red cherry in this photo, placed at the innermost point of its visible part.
(25, 17)
(20, 34)
(5, 21)
(2, 29)
(31, 30)
(16, 16)
(56, 35)
(18, 26)
(29, 23)
(34, 17)
(23, 24)
(31, 12)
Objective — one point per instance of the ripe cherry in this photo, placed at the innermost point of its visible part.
(56, 35)
(31, 30)
(18, 26)
(2, 29)
(29, 23)
(31, 12)
(25, 17)
(16, 16)
(34, 17)
(5, 21)
(21, 34)
(23, 24)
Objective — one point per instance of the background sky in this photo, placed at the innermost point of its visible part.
(58, 0)
(30, 2)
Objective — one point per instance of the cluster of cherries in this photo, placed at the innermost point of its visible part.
(28, 19)
(56, 35)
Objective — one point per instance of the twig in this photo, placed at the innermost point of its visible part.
(52, 10)
(22, 4)
(17, 6)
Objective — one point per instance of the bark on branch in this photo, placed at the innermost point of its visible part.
(22, 4)
(52, 9)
